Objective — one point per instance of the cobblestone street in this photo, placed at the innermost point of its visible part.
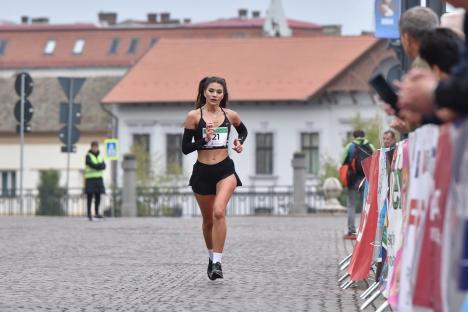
(159, 264)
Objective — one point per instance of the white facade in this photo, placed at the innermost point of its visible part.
(332, 121)
(41, 155)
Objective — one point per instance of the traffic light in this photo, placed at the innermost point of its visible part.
(23, 87)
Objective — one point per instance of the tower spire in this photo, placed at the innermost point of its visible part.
(276, 24)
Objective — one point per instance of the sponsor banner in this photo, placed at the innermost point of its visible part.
(363, 250)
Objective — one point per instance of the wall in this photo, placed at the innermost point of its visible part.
(42, 153)
(330, 117)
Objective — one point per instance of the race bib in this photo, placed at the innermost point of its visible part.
(220, 137)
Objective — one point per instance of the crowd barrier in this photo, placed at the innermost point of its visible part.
(413, 231)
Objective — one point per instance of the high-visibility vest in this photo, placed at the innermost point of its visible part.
(93, 173)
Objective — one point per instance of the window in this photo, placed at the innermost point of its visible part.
(142, 142)
(310, 147)
(8, 183)
(153, 41)
(264, 153)
(50, 47)
(133, 45)
(79, 46)
(3, 45)
(114, 46)
(174, 153)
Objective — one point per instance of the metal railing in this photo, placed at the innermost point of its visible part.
(159, 201)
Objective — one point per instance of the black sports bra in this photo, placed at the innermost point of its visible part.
(221, 134)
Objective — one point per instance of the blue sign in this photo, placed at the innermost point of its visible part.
(387, 18)
(112, 149)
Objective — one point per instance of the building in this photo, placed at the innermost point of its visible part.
(88, 50)
(102, 54)
(294, 94)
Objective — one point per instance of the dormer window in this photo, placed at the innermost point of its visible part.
(133, 45)
(50, 47)
(79, 46)
(3, 46)
(114, 46)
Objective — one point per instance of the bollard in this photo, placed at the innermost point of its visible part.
(129, 198)
(332, 189)
(298, 164)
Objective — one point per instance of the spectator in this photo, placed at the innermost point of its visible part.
(389, 139)
(94, 169)
(414, 25)
(421, 91)
(353, 154)
(454, 21)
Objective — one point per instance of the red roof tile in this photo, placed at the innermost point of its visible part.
(256, 69)
(46, 27)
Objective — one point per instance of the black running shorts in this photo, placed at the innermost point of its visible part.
(205, 177)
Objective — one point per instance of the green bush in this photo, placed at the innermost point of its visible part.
(50, 194)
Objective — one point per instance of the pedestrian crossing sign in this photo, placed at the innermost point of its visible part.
(111, 149)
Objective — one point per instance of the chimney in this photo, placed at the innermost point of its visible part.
(243, 13)
(187, 20)
(152, 18)
(255, 14)
(165, 18)
(40, 20)
(107, 18)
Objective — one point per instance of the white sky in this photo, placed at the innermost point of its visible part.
(354, 15)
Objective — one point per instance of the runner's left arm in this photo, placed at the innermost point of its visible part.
(242, 132)
(239, 125)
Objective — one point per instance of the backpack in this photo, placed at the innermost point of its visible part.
(360, 152)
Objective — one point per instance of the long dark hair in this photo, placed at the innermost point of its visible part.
(203, 85)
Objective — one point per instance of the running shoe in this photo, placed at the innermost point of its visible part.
(350, 236)
(210, 268)
(217, 271)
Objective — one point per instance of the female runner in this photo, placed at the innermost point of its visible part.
(214, 179)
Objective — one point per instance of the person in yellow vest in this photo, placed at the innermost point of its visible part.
(94, 186)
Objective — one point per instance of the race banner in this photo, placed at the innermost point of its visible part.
(363, 250)
(398, 182)
(453, 275)
(423, 144)
(382, 192)
(427, 291)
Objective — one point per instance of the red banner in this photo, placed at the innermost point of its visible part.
(363, 250)
(427, 292)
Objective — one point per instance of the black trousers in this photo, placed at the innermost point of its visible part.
(97, 201)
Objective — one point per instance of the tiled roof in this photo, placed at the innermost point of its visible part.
(25, 49)
(256, 69)
(45, 99)
(23, 44)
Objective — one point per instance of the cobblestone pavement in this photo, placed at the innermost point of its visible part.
(159, 264)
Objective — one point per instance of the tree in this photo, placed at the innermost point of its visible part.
(50, 194)
(151, 178)
(372, 127)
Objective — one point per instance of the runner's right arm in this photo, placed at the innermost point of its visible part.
(188, 144)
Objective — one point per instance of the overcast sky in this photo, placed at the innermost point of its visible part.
(354, 15)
